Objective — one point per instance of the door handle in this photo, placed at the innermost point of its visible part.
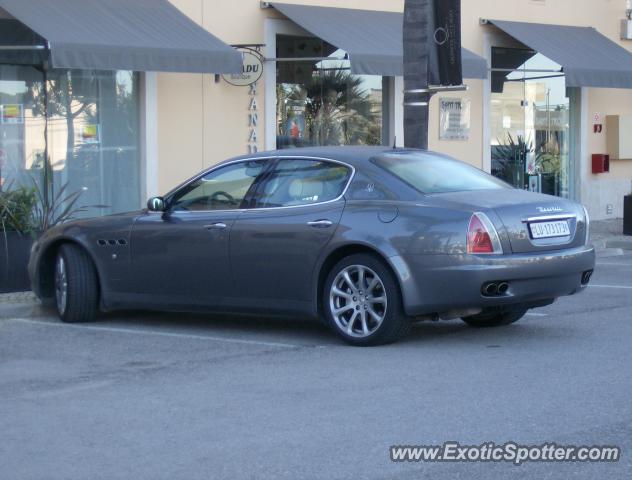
(216, 226)
(320, 223)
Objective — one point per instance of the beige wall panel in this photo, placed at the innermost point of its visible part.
(607, 102)
(180, 128)
(470, 151)
(226, 123)
(599, 191)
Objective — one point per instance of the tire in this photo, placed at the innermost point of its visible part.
(81, 285)
(376, 322)
(494, 319)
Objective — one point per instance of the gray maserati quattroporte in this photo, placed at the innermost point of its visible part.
(369, 239)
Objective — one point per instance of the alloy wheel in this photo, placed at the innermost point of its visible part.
(357, 300)
(61, 285)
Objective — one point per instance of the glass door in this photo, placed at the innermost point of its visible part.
(22, 125)
(87, 122)
(319, 100)
(530, 118)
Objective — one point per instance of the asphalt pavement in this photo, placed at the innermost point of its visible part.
(172, 396)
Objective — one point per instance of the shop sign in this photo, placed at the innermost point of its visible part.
(251, 72)
(555, 120)
(253, 119)
(454, 121)
(447, 43)
(12, 114)
(90, 134)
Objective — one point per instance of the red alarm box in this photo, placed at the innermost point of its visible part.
(600, 163)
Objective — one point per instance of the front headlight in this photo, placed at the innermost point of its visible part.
(587, 224)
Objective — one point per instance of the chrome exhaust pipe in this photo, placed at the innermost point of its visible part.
(502, 288)
(490, 289)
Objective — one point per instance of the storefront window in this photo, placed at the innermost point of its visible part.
(22, 126)
(319, 100)
(530, 122)
(92, 129)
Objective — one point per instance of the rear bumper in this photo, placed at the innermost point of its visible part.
(440, 283)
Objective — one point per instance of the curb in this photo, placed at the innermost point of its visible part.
(17, 297)
(608, 252)
(621, 244)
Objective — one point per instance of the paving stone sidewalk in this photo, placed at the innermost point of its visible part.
(17, 297)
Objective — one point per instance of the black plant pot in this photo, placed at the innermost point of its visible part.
(14, 257)
(549, 184)
(627, 215)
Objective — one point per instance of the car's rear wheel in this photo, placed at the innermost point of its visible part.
(362, 302)
(494, 319)
(76, 285)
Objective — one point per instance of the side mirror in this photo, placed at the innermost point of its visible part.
(156, 204)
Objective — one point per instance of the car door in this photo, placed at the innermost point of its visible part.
(180, 257)
(275, 244)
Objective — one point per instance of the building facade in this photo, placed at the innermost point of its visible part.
(123, 136)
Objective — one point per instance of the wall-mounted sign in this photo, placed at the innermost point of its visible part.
(454, 120)
(252, 69)
(90, 134)
(12, 114)
(253, 119)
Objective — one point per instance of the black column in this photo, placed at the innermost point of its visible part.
(417, 24)
(432, 56)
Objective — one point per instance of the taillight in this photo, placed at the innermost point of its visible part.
(482, 236)
(587, 223)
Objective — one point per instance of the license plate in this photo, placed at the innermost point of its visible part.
(550, 229)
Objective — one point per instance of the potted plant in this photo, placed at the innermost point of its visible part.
(627, 214)
(17, 231)
(24, 214)
(509, 160)
(548, 165)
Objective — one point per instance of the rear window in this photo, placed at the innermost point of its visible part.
(437, 174)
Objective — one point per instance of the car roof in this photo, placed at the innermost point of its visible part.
(353, 155)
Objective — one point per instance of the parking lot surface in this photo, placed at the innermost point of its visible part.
(175, 396)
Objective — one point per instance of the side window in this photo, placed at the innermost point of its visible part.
(222, 189)
(294, 182)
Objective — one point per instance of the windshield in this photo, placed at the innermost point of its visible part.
(430, 173)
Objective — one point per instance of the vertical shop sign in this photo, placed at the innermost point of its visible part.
(253, 119)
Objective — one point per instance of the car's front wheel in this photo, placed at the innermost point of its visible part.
(362, 302)
(76, 285)
(495, 318)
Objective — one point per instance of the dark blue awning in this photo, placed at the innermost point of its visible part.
(373, 39)
(142, 35)
(588, 58)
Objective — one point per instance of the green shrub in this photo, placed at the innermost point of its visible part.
(16, 209)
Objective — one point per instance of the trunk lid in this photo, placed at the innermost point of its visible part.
(530, 222)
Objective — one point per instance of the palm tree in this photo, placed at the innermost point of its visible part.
(417, 21)
(338, 110)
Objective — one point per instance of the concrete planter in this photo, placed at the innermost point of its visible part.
(14, 256)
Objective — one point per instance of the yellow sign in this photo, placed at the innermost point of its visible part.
(12, 113)
(90, 133)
